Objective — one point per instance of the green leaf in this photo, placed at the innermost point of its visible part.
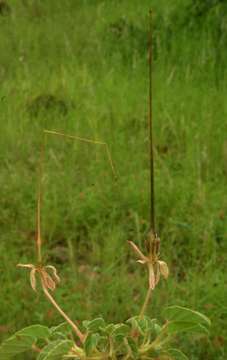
(36, 331)
(91, 343)
(133, 347)
(59, 328)
(55, 350)
(121, 329)
(60, 331)
(176, 354)
(179, 313)
(103, 343)
(174, 327)
(133, 321)
(94, 325)
(23, 340)
(157, 329)
(15, 345)
(146, 324)
(143, 325)
(108, 329)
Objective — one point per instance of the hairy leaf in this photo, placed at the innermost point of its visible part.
(133, 347)
(55, 350)
(94, 325)
(143, 325)
(36, 331)
(108, 329)
(177, 354)
(121, 329)
(91, 343)
(179, 313)
(60, 331)
(23, 340)
(182, 326)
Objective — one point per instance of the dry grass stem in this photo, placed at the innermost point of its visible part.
(78, 138)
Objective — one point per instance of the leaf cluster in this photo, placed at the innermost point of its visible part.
(137, 338)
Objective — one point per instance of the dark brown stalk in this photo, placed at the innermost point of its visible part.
(151, 238)
(150, 120)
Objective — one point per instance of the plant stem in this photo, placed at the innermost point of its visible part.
(149, 241)
(63, 314)
(39, 199)
(158, 342)
(38, 234)
(145, 304)
(150, 120)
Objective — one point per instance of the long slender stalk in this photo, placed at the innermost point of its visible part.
(38, 231)
(151, 235)
(39, 199)
(150, 123)
(63, 314)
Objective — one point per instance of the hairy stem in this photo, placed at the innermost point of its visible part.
(160, 340)
(146, 302)
(63, 314)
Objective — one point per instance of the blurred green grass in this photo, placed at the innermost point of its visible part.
(91, 57)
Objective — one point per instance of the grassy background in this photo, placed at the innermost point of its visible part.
(80, 67)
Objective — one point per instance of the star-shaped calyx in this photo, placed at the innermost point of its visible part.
(48, 281)
(156, 267)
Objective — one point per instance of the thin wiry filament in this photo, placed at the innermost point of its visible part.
(40, 178)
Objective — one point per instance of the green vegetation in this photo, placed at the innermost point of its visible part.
(139, 338)
(80, 67)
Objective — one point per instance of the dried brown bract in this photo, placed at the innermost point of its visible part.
(156, 267)
(48, 281)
